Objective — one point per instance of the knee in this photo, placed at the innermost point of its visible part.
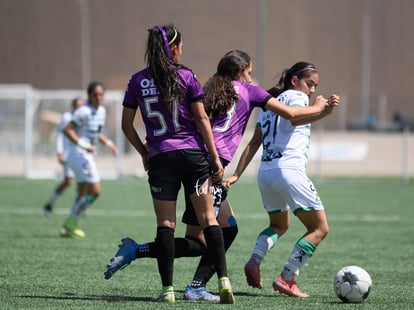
(321, 232)
(280, 229)
(324, 231)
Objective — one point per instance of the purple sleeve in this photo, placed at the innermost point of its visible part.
(258, 96)
(130, 100)
(194, 92)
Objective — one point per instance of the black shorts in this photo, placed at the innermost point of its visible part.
(219, 193)
(167, 171)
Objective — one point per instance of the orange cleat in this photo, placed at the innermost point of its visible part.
(287, 287)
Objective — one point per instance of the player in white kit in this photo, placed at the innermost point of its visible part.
(62, 144)
(85, 131)
(282, 178)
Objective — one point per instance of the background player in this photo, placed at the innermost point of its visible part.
(62, 143)
(85, 131)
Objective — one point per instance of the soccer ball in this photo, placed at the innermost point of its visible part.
(352, 284)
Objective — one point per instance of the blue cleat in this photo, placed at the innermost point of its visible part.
(122, 258)
(199, 294)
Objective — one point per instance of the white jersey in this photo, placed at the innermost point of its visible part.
(62, 142)
(89, 123)
(285, 145)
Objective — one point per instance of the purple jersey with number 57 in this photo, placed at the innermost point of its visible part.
(228, 128)
(166, 130)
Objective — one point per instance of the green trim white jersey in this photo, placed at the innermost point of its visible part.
(285, 145)
(89, 122)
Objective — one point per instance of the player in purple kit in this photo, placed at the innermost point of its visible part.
(229, 120)
(177, 129)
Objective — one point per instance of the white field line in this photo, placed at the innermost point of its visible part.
(150, 213)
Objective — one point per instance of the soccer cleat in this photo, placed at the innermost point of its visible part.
(71, 230)
(47, 210)
(199, 294)
(226, 292)
(252, 272)
(124, 256)
(167, 295)
(287, 287)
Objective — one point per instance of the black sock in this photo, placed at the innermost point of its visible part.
(166, 250)
(188, 247)
(205, 269)
(215, 253)
(184, 247)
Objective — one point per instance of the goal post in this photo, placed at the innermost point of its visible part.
(28, 126)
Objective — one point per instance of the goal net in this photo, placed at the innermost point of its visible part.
(28, 125)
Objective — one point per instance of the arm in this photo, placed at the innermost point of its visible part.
(108, 142)
(295, 113)
(246, 157)
(127, 124)
(69, 131)
(333, 101)
(203, 124)
(311, 119)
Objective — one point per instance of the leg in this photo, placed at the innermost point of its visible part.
(196, 291)
(215, 253)
(48, 207)
(66, 182)
(317, 229)
(278, 225)
(305, 202)
(316, 224)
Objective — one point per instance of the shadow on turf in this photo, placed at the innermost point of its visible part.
(108, 298)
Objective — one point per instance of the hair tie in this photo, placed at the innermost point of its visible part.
(167, 46)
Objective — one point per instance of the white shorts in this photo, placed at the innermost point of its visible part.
(282, 189)
(67, 171)
(84, 166)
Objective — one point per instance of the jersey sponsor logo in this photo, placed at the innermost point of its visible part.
(216, 191)
(148, 87)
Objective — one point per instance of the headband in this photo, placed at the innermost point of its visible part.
(304, 69)
(166, 43)
(174, 37)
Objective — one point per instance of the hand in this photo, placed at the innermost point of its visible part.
(334, 100)
(229, 181)
(321, 102)
(61, 159)
(145, 160)
(218, 170)
(114, 149)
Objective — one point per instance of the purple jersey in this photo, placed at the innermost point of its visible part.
(166, 130)
(228, 128)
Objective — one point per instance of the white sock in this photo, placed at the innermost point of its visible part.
(265, 241)
(301, 253)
